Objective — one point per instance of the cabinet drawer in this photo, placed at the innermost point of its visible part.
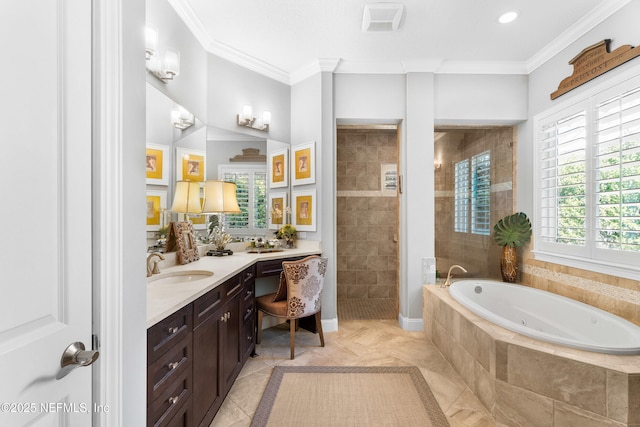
(248, 311)
(249, 274)
(268, 268)
(247, 338)
(162, 373)
(273, 267)
(169, 404)
(166, 333)
(232, 287)
(207, 304)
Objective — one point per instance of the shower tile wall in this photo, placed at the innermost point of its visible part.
(367, 221)
(479, 254)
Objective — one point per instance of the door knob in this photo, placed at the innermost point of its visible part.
(75, 355)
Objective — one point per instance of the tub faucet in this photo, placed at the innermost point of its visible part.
(447, 282)
(152, 265)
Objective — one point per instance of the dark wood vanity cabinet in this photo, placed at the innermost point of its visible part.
(169, 370)
(221, 336)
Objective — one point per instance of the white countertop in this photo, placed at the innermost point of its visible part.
(165, 299)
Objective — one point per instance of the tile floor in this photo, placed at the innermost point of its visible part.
(356, 343)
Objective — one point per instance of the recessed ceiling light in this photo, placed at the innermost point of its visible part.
(505, 18)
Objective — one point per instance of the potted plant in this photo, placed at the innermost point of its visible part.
(289, 234)
(511, 232)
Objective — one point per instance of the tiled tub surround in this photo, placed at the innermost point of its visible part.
(525, 382)
(617, 295)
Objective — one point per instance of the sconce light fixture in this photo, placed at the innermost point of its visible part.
(181, 118)
(437, 166)
(165, 69)
(247, 119)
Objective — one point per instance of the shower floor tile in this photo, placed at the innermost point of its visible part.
(366, 309)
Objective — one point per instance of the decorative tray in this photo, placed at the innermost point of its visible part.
(251, 250)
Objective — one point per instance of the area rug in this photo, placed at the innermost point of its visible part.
(305, 396)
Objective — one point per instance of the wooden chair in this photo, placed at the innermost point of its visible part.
(299, 295)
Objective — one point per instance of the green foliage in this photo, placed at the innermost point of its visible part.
(513, 230)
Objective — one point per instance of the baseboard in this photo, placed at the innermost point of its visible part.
(408, 324)
(330, 325)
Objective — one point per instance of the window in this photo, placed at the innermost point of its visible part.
(481, 193)
(251, 193)
(461, 197)
(472, 194)
(588, 182)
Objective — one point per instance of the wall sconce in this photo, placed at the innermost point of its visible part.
(166, 69)
(437, 166)
(246, 119)
(182, 119)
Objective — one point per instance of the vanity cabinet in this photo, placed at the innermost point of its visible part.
(169, 370)
(195, 355)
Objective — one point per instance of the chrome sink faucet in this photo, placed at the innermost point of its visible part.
(447, 282)
(152, 264)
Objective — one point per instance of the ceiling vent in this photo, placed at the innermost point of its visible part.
(382, 16)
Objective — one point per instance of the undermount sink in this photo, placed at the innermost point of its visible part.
(179, 277)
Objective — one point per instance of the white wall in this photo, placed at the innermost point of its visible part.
(466, 99)
(231, 86)
(622, 28)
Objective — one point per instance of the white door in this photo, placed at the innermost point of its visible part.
(45, 210)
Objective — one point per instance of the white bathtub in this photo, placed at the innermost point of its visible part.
(547, 316)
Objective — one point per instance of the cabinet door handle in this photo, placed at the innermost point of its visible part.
(173, 365)
(249, 337)
(173, 330)
(223, 318)
(228, 314)
(249, 293)
(174, 399)
(249, 276)
(249, 310)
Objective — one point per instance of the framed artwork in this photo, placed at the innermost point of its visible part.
(279, 169)
(303, 164)
(182, 239)
(389, 179)
(277, 209)
(190, 165)
(157, 173)
(156, 208)
(304, 210)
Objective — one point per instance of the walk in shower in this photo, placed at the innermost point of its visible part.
(367, 222)
(474, 178)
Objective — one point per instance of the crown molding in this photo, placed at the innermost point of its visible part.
(312, 68)
(194, 24)
(574, 32)
(433, 65)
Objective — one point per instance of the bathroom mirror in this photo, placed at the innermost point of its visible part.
(227, 155)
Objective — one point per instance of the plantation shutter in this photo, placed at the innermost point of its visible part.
(617, 172)
(481, 193)
(562, 208)
(251, 192)
(461, 196)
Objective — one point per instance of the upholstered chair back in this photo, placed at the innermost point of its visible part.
(305, 279)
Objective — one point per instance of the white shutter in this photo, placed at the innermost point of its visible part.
(481, 193)
(461, 196)
(251, 192)
(617, 172)
(563, 183)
